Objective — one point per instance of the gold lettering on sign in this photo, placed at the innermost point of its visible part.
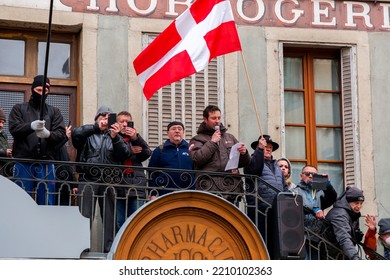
(187, 242)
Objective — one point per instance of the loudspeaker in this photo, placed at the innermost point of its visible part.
(289, 241)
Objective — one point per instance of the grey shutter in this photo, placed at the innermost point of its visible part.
(351, 144)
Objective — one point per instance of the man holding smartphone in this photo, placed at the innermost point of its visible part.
(99, 143)
(315, 201)
(132, 194)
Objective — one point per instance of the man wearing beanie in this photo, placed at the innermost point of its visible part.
(99, 144)
(36, 139)
(344, 218)
(5, 151)
(173, 154)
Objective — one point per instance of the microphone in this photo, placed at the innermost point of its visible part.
(217, 128)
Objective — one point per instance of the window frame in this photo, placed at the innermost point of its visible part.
(308, 54)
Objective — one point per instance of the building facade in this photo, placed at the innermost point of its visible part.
(314, 72)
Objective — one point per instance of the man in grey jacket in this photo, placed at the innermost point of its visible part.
(210, 150)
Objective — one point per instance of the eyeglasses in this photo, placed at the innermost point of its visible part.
(309, 173)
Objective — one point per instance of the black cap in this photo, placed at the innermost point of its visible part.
(175, 123)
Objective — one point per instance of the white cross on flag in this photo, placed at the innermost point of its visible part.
(204, 31)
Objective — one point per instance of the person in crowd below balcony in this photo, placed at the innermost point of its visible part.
(99, 144)
(344, 218)
(315, 201)
(5, 151)
(285, 166)
(129, 197)
(173, 154)
(370, 240)
(263, 165)
(210, 150)
(36, 139)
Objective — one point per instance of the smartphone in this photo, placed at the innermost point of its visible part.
(111, 119)
(130, 124)
(319, 181)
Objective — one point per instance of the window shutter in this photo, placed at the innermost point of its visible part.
(183, 100)
(351, 145)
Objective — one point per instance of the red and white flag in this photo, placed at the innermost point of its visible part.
(204, 31)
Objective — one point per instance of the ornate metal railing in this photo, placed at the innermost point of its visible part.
(102, 192)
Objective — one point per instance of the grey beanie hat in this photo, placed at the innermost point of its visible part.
(384, 226)
(103, 110)
(354, 194)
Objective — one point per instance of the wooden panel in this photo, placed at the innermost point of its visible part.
(189, 225)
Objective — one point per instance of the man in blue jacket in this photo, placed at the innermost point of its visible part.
(173, 154)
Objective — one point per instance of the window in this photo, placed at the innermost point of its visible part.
(22, 56)
(313, 104)
(184, 100)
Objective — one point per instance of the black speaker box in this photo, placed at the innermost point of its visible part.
(289, 238)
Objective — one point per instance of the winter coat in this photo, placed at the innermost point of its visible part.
(171, 156)
(210, 156)
(134, 177)
(96, 146)
(269, 171)
(345, 224)
(26, 142)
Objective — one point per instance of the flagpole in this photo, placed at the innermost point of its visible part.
(252, 95)
(46, 61)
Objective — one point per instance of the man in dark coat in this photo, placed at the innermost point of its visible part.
(261, 197)
(36, 139)
(131, 196)
(344, 218)
(99, 144)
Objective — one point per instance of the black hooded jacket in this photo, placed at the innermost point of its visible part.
(26, 142)
(345, 223)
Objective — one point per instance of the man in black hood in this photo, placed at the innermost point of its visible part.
(36, 139)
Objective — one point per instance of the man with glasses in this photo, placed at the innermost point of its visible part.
(316, 198)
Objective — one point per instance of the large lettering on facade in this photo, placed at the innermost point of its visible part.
(329, 14)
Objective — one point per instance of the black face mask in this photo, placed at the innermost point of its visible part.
(36, 97)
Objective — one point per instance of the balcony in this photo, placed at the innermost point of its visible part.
(103, 191)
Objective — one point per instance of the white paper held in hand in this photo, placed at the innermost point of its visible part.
(234, 157)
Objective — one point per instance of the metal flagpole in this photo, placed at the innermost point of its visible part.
(46, 61)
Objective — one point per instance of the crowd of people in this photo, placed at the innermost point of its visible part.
(39, 133)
